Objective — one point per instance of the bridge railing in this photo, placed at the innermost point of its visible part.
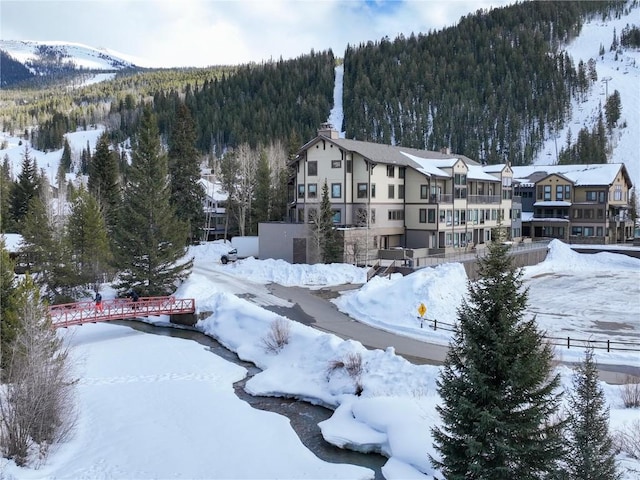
(77, 313)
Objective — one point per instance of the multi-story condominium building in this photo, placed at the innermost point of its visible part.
(575, 203)
(387, 196)
(401, 196)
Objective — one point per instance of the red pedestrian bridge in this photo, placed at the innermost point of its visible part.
(68, 314)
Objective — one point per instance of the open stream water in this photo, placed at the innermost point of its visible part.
(304, 417)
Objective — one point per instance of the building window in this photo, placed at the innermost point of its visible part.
(617, 194)
(362, 190)
(592, 196)
(313, 190)
(337, 216)
(567, 192)
(559, 192)
(576, 231)
(547, 193)
(431, 215)
(336, 190)
(424, 191)
(300, 190)
(336, 163)
(392, 191)
(588, 213)
(423, 215)
(460, 192)
(373, 190)
(312, 169)
(391, 171)
(312, 215)
(588, 231)
(460, 179)
(396, 215)
(401, 191)
(349, 166)
(577, 213)
(401, 171)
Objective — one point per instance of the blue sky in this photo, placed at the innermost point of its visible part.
(168, 33)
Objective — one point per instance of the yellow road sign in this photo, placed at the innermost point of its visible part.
(422, 309)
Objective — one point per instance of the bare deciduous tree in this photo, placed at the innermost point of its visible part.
(37, 405)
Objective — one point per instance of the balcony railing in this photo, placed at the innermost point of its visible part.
(477, 199)
(441, 198)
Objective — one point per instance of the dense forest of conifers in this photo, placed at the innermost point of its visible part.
(489, 88)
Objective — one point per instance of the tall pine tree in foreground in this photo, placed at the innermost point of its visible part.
(150, 239)
(591, 453)
(499, 398)
(104, 180)
(187, 193)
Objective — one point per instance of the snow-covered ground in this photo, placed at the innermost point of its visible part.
(154, 407)
(622, 75)
(158, 407)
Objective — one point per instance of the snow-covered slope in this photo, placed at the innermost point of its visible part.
(621, 74)
(82, 56)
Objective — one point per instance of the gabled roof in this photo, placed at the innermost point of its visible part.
(430, 168)
(580, 175)
(387, 154)
(477, 172)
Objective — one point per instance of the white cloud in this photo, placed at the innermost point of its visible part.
(202, 33)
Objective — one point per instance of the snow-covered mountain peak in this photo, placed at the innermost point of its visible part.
(35, 54)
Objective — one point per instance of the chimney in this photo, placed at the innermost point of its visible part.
(327, 130)
(446, 150)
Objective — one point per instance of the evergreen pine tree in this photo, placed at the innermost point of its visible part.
(48, 256)
(8, 317)
(263, 192)
(65, 160)
(6, 187)
(88, 240)
(591, 453)
(187, 193)
(103, 181)
(498, 393)
(612, 109)
(329, 243)
(24, 189)
(229, 167)
(150, 239)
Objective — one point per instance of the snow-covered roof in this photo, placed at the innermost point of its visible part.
(429, 167)
(549, 203)
(213, 190)
(580, 175)
(477, 172)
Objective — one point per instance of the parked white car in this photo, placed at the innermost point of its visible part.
(230, 256)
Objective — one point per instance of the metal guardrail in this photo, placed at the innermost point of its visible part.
(565, 342)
